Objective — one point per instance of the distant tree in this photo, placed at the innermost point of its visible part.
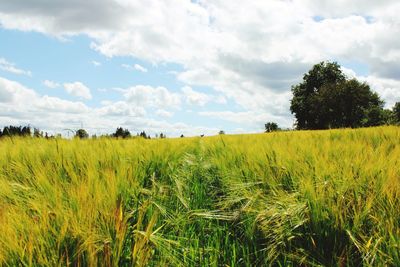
(26, 131)
(81, 133)
(271, 127)
(327, 99)
(16, 131)
(396, 113)
(123, 133)
(221, 132)
(182, 136)
(144, 135)
(37, 133)
(162, 136)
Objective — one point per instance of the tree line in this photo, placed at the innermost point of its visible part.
(26, 131)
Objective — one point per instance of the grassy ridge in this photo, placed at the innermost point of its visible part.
(329, 198)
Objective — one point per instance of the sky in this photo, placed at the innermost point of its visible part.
(183, 67)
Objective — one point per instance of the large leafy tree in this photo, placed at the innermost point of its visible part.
(326, 99)
(303, 103)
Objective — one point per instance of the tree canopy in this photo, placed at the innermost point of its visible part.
(120, 132)
(271, 127)
(326, 98)
(396, 113)
(82, 134)
(16, 131)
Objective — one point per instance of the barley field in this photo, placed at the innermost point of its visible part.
(302, 198)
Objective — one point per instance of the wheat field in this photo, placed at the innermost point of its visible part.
(301, 198)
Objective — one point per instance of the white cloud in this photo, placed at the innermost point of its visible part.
(78, 89)
(12, 92)
(194, 97)
(200, 99)
(139, 68)
(126, 66)
(10, 67)
(148, 96)
(134, 67)
(163, 113)
(21, 105)
(120, 109)
(51, 84)
(96, 63)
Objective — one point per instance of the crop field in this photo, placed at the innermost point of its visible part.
(301, 198)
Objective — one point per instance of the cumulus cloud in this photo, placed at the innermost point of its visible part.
(136, 67)
(96, 63)
(24, 106)
(200, 99)
(121, 108)
(51, 84)
(78, 89)
(164, 113)
(139, 68)
(148, 96)
(10, 67)
(195, 98)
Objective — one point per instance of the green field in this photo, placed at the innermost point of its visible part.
(310, 198)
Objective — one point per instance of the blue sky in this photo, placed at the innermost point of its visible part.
(182, 67)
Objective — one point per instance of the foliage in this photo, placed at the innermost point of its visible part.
(82, 134)
(396, 113)
(123, 133)
(144, 135)
(326, 99)
(16, 131)
(37, 133)
(320, 198)
(271, 127)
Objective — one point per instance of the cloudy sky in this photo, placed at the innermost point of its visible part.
(180, 66)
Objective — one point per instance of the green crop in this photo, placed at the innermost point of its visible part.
(304, 198)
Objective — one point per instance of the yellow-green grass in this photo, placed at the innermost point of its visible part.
(311, 198)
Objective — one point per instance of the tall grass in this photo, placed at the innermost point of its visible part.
(317, 198)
